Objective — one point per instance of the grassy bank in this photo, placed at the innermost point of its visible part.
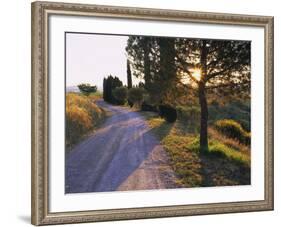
(226, 163)
(82, 116)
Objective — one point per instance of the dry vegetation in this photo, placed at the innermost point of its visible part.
(82, 116)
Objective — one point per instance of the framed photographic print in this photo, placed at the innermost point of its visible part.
(145, 113)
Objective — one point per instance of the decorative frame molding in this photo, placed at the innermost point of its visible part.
(40, 97)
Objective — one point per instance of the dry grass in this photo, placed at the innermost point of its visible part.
(234, 130)
(95, 96)
(82, 115)
(235, 144)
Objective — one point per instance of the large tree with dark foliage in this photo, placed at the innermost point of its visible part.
(109, 84)
(139, 49)
(166, 78)
(154, 61)
(214, 66)
(220, 67)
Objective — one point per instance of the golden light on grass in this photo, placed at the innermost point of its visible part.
(196, 73)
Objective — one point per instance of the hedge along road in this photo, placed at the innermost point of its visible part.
(123, 154)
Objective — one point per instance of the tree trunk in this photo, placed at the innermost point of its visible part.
(204, 118)
(203, 100)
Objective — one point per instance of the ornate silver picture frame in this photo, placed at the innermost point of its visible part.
(41, 68)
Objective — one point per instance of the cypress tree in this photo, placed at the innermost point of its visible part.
(109, 84)
(129, 75)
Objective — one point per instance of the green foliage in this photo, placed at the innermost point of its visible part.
(221, 150)
(120, 94)
(233, 129)
(87, 89)
(136, 96)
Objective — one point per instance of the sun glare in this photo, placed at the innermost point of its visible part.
(196, 73)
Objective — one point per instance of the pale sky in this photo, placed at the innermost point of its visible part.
(91, 57)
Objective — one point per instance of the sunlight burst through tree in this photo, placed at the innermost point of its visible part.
(196, 73)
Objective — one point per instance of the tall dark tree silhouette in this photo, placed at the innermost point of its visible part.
(154, 61)
(140, 50)
(167, 71)
(220, 67)
(129, 75)
(109, 84)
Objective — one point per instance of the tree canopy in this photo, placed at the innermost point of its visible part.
(220, 67)
(172, 67)
(87, 89)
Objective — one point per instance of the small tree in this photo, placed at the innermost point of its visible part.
(136, 96)
(120, 94)
(87, 89)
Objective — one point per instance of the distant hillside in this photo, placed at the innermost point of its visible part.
(72, 89)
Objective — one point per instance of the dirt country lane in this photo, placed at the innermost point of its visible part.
(123, 154)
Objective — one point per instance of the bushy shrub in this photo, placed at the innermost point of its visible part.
(188, 113)
(121, 95)
(148, 107)
(131, 104)
(238, 111)
(81, 115)
(168, 113)
(190, 116)
(136, 96)
(233, 129)
(148, 104)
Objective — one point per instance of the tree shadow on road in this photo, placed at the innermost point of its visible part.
(134, 151)
(128, 144)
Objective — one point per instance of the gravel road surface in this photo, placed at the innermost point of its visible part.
(123, 154)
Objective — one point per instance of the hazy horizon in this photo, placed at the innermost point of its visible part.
(91, 57)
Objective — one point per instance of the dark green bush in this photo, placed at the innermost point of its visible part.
(148, 107)
(234, 130)
(169, 113)
(121, 95)
(136, 96)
